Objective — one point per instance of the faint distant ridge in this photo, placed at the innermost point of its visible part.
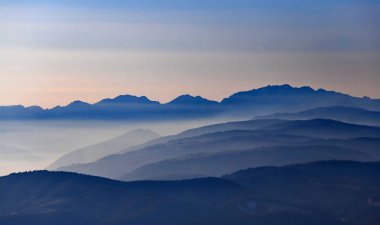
(295, 141)
(342, 113)
(107, 147)
(266, 100)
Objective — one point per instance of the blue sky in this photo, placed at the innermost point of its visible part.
(53, 52)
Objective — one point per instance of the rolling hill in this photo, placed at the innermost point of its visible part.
(329, 193)
(217, 164)
(280, 133)
(340, 113)
(104, 148)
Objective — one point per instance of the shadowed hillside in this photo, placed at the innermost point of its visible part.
(333, 192)
(263, 133)
(217, 164)
(344, 114)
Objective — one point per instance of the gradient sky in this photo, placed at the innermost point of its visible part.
(54, 52)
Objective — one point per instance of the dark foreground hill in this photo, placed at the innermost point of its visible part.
(328, 193)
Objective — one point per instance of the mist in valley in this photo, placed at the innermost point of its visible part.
(33, 145)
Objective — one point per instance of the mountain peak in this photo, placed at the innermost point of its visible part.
(78, 103)
(265, 100)
(127, 99)
(189, 99)
(283, 88)
(13, 107)
(278, 93)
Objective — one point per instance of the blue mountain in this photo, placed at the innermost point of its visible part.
(285, 98)
(126, 100)
(341, 113)
(256, 102)
(191, 101)
(244, 135)
(328, 193)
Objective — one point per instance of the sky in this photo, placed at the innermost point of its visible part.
(55, 52)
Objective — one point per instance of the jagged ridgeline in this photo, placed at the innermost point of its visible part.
(266, 100)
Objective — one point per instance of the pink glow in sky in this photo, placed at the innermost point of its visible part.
(55, 53)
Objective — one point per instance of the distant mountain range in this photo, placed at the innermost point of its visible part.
(328, 193)
(341, 113)
(224, 147)
(266, 100)
(220, 163)
(335, 134)
(108, 147)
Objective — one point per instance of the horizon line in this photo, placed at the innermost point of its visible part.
(163, 103)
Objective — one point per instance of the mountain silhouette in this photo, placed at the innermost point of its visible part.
(261, 101)
(220, 163)
(126, 100)
(108, 147)
(191, 100)
(341, 113)
(227, 136)
(286, 98)
(329, 193)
